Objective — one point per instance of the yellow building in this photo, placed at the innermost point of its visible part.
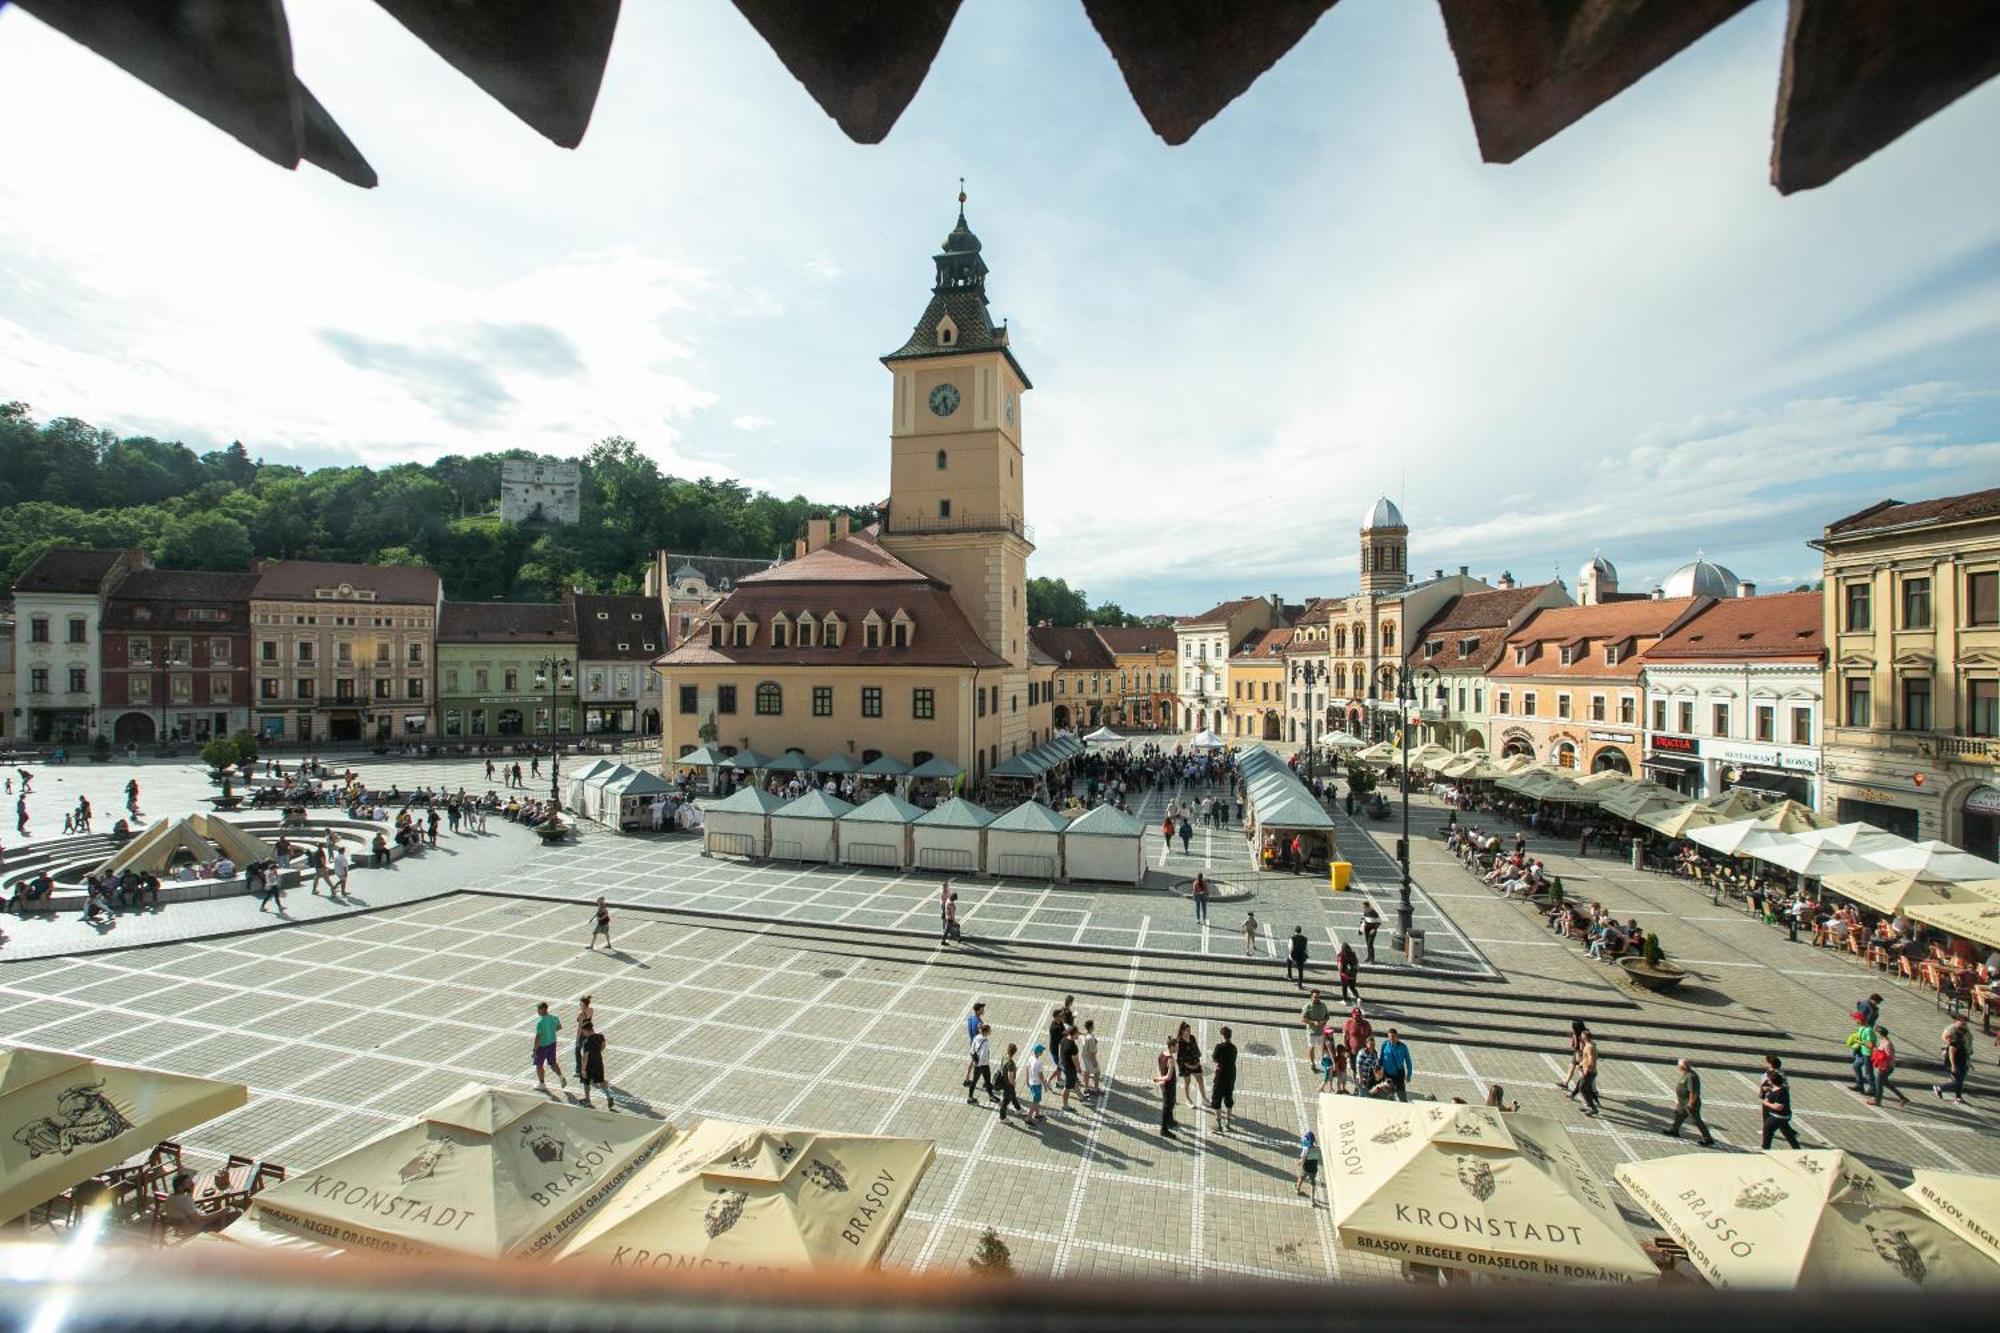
(1144, 655)
(1912, 624)
(1257, 686)
(1086, 675)
(1202, 646)
(909, 638)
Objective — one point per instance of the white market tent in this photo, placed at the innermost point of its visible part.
(808, 828)
(573, 789)
(952, 837)
(1105, 844)
(1026, 843)
(877, 833)
(1103, 736)
(592, 797)
(1207, 740)
(629, 799)
(739, 824)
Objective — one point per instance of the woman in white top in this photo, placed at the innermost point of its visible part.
(340, 866)
(1092, 1083)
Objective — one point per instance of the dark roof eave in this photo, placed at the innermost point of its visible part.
(1004, 349)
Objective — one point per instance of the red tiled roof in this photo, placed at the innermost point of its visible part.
(506, 622)
(1475, 617)
(1263, 643)
(1896, 513)
(1783, 627)
(1611, 623)
(849, 577)
(184, 585)
(1136, 638)
(856, 558)
(60, 569)
(297, 581)
(1220, 612)
(1073, 647)
(631, 628)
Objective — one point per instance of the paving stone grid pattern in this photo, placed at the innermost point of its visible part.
(344, 1026)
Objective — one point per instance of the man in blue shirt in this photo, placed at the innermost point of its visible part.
(973, 1021)
(1396, 1066)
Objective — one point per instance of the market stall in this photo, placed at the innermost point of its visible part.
(952, 837)
(739, 824)
(877, 833)
(1026, 843)
(808, 829)
(1105, 843)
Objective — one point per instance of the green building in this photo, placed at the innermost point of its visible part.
(507, 669)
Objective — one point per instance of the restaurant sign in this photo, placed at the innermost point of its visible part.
(1674, 744)
(1763, 756)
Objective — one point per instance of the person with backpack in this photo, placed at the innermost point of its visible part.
(1774, 1095)
(1307, 1183)
(1955, 1045)
(1861, 1050)
(982, 1066)
(1349, 966)
(1004, 1080)
(1882, 1065)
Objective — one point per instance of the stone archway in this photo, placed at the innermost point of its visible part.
(1562, 753)
(1062, 717)
(1518, 742)
(1474, 741)
(133, 729)
(1610, 759)
(1272, 726)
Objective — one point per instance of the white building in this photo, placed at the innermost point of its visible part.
(58, 613)
(1201, 647)
(1734, 699)
(540, 490)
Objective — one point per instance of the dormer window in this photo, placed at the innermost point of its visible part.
(947, 332)
(1467, 647)
(871, 635)
(1612, 652)
(1524, 654)
(715, 635)
(901, 629)
(1569, 651)
(832, 631)
(746, 630)
(779, 633)
(805, 629)
(1432, 647)
(604, 615)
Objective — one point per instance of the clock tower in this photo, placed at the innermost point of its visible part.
(955, 471)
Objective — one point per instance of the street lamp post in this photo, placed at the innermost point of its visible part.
(552, 669)
(1407, 682)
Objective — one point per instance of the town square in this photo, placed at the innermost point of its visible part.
(621, 772)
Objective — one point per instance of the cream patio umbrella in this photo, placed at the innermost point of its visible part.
(1429, 755)
(1471, 1187)
(484, 1173)
(1975, 921)
(1788, 816)
(1513, 763)
(727, 1197)
(1381, 752)
(69, 1117)
(1861, 839)
(1805, 859)
(1968, 1205)
(1628, 802)
(1894, 891)
(1734, 804)
(1739, 837)
(1936, 858)
(1821, 1218)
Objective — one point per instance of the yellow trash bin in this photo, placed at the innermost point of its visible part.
(1340, 872)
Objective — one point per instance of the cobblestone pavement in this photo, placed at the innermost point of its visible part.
(805, 997)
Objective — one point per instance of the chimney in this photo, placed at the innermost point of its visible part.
(1437, 573)
(1749, 589)
(798, 548)
(1462, 569)
(1658, 592)
(817, 531)
(842, 525)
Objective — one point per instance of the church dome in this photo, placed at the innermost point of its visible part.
(1600, 568)
(1701, 578)
(1383, 515)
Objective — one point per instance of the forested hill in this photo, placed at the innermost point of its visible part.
(64, 480)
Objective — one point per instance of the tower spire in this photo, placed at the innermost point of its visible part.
(961, 201)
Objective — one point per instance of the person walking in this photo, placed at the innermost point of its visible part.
(1093, 1073)
(975, 1019)
(1200, 899)
(340, 869)
(1577, 1033)
(1222, 1096)
(546, 1027)
(1187, 834)
(1371, 922)
(1005, 1078)
(1164, 1078)
(1861, 1050)
(981, 1066)
(1396, 1065)
(1356, 1032)
(1687, 1104)
(951, 927)
(591, 1044)
(132, 798)
(601, 924)
(1882, 1062)
(1774, 1095)
(1307, 1183)
(1955, 1046)
(1068, 1057)
(585, 1016)
(1314, 1016)
(1295, 966)
(1250, 935)
(322, 871)
(1350, 974)
(1038, 1077)
(1586, 1074)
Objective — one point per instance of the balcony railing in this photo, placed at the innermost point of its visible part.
(909, 524)
(1966, 747)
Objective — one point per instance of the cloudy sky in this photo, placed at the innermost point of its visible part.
(1626, 342)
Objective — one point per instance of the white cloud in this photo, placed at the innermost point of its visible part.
(750, 423)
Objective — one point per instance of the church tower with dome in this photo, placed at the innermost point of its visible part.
(1385, 548)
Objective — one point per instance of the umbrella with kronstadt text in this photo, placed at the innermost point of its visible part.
(726, 1197)
(485, 1172)
(1473, 1188)
(1821, 1218)
(64, 1118)
(1968, 1204)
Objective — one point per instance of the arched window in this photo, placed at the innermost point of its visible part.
(770, 699)
(1388, 638)
(942, 464)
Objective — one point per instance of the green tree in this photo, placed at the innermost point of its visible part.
(204, 541)
(1053, 602)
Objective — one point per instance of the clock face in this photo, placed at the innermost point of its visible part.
(944, 399)
(1010, 409)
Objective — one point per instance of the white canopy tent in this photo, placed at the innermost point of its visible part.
(739, 824)
(877, 833)
(808, 829)
(1026, 843)
(1105, 844)
(1103, 736)
(952, 837)
(1207, 740)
